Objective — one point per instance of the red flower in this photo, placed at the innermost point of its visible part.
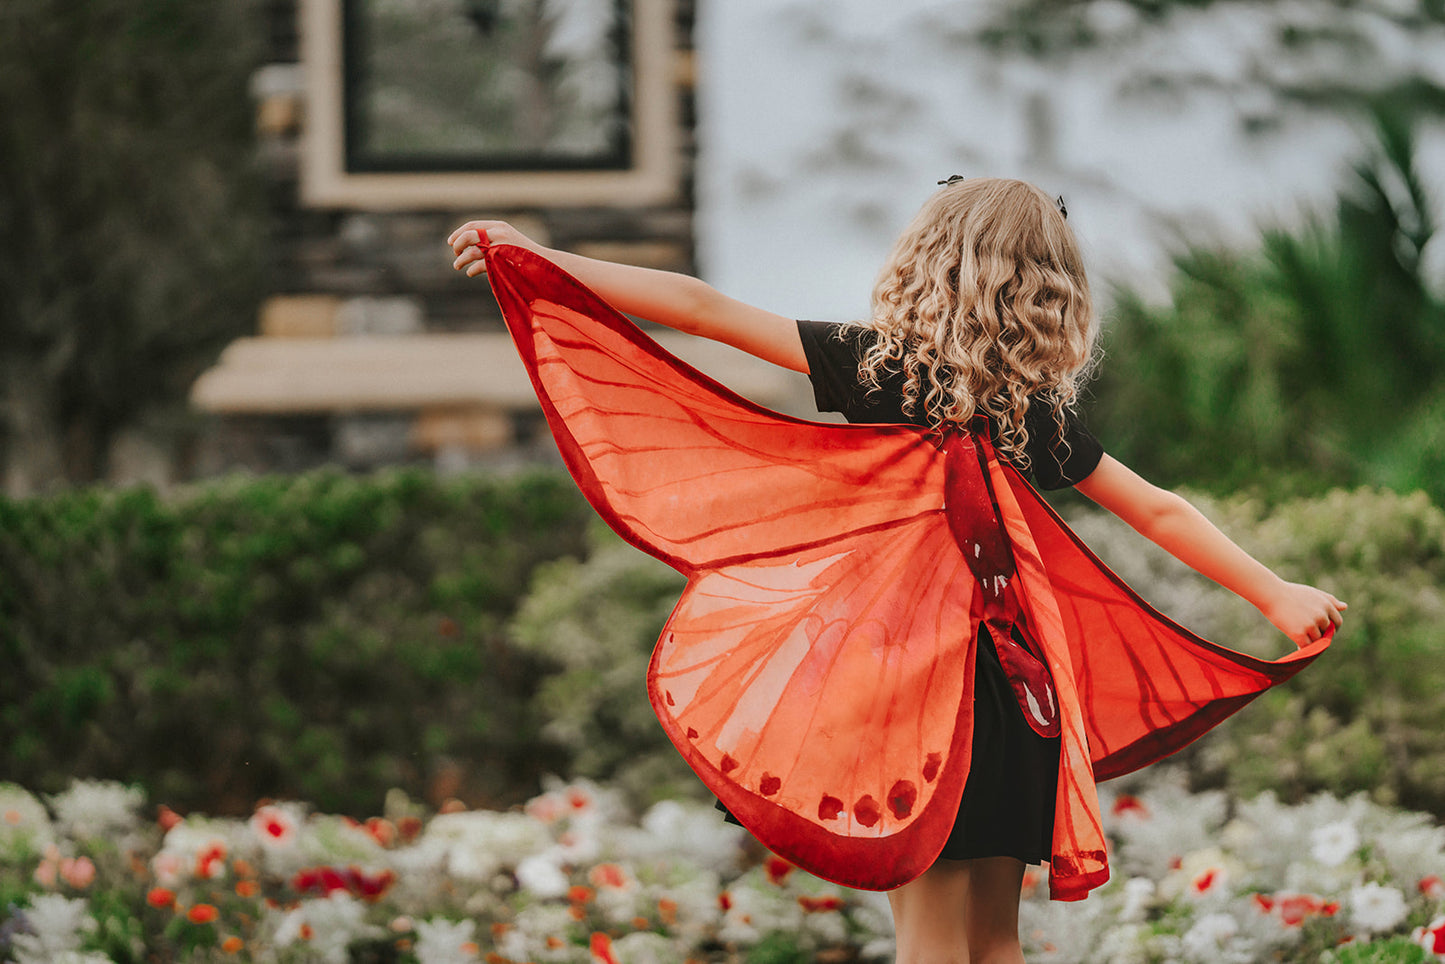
(778, 869)
(1292, 909)
(232, 945)
(601, 947)
(813, 905)
(1206, 881)
(1432, 886)
(409, 828)
(160, 897)
(725, 901)
(202, 914)
(210, 859)
(1124, 804)
(1431, 936)
(579, 894)
(327, 880)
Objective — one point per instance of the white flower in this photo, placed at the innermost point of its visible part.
(645, 947)
(57, 925)
(1332, 844)
(445, 941)
(24, 825)
(97, 808)
(1209, 935)
(335, 922)
(1376, 909)
(1138, 894)
(475, 844)
(277, 826)
(542, 877)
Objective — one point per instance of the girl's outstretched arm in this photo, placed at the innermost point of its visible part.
(1303, 613)
(676, 300)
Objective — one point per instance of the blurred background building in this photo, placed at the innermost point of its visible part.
(241, 203)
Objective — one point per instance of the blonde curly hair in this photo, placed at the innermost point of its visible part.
(984, 307)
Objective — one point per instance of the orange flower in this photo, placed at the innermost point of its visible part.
(160, 897)
(640, 923)
(608, 875)
(578, 894)
(554, 942)
(601, 947)
(383, 831)
(667, 910)
(243, 868)
(202, 914)
(247, 888)
(500, 928)
(232, 944)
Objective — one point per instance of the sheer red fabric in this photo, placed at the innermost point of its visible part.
(817, 672)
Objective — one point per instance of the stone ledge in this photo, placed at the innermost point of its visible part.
(287, 376)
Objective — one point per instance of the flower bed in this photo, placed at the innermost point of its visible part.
(573, 878)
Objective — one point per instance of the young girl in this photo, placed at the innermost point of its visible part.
(981, 318)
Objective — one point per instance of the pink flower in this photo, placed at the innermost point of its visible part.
(169, 867)
(45, 872)
(545, 808)
(1431, 937)
(78, 872)
(609, 876)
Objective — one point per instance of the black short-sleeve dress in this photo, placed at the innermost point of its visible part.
(1008, 802)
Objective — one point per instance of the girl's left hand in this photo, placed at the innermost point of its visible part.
(468, 241)
(1304, 613)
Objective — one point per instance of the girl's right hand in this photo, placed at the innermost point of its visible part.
(468, 241)
(1303, 613)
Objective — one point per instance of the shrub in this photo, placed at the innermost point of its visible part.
(322, 636)
(1366, 714)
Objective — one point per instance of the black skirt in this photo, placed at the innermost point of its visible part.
(1008, 802)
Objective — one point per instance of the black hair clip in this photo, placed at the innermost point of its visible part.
(1062, 209)
(952, 178)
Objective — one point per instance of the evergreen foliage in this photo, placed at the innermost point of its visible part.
(323, 636)
(130, 217)
(1316, 360)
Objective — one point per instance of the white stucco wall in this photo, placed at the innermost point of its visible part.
(797, 210)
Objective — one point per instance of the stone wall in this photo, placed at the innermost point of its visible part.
(346, 274)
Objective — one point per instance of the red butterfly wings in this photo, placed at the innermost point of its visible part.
(817, 672)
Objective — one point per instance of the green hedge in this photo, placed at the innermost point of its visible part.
(321, 636)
